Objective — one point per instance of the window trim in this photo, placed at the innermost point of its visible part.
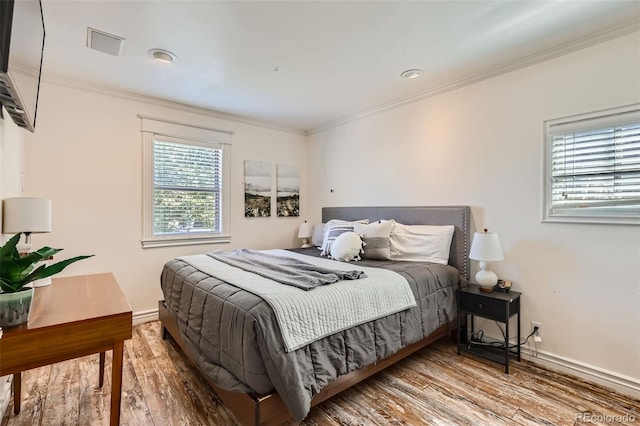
(197, 135)
(602, 215)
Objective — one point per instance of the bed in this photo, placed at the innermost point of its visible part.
(232, 337)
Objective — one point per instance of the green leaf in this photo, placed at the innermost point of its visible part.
(37, 256)
(43, 272)
(6, 251)
(16, 271)
(9, 287)
(10, 270)
(26, 278)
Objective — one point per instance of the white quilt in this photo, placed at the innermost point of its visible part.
(306, 316)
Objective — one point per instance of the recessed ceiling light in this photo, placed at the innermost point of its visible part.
(162, 55)
(411, 73)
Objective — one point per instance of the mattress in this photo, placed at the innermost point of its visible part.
(233, 335)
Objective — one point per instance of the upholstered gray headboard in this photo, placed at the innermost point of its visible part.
(459, 216)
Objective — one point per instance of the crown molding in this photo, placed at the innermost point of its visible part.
(573, 46)
(576, 45)
(108, 91)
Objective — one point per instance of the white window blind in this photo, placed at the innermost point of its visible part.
(593, 166)
(185, 186)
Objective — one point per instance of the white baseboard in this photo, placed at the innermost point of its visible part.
(619, 382)
(145, 316)
(616, 381)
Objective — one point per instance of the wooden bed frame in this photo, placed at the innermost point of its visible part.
(253, 409)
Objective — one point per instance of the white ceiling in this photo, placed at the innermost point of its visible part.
(304, 65)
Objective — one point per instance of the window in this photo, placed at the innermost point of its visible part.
(185, 196)
(592, 167)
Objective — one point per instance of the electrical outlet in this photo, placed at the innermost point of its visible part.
(534, 325)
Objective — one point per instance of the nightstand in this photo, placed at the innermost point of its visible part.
(495, 306)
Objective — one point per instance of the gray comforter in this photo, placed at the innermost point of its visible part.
(233, 335)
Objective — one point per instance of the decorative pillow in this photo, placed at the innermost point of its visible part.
(318, 233)
(332, 230)
(346, 247)
(376, 239)
(421, 243)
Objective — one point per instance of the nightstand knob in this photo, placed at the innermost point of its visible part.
(480, 305)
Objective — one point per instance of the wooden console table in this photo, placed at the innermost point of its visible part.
(73, 317)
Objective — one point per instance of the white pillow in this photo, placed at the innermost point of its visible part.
(318, 234)
(376, 239)
(346, 247)
(332, 229)
(421, 243)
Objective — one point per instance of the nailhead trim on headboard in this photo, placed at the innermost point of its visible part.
(459, 216)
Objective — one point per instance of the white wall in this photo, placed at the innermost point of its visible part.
(3, 156)
(86, 155)
(11, 168)
(11, 160)
(481, 145)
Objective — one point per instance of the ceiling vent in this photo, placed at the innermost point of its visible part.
(104, 42)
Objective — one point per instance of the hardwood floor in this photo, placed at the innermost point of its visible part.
(432, 387)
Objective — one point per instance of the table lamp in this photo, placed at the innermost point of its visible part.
(486, 248)
(27, 215)
(305, 232)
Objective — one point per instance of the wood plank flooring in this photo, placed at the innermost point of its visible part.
(433, 387)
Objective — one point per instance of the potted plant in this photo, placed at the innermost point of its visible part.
(16, 272)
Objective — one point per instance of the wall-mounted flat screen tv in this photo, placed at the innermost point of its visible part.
(21, 51)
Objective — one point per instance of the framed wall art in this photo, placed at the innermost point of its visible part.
(288, 190)
(257, 188)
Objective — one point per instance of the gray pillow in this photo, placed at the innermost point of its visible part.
(318, 235)
(376, 238)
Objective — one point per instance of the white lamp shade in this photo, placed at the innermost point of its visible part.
(486, 246)
(306, 230)
(26, 214)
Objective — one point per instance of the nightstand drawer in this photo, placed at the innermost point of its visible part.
(486, 307)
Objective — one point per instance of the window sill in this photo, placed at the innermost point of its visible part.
(602, 220)
(184, 241)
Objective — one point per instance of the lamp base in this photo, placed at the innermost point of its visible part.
(486, 278)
